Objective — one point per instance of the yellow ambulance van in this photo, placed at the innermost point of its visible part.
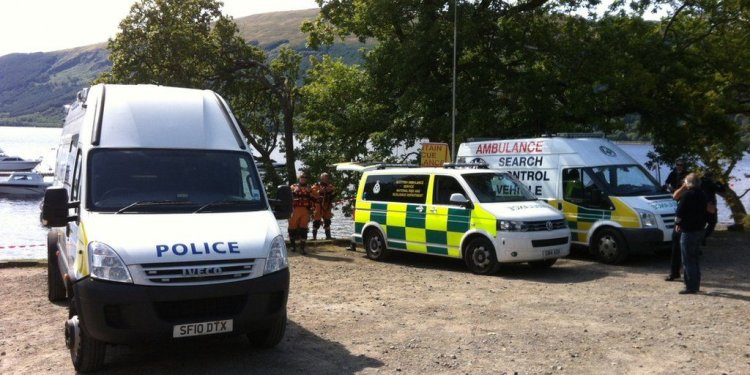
(481, 216)
(611, 203)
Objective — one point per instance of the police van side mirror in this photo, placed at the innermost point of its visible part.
(282, 205)
(461, 200)
(55, 207)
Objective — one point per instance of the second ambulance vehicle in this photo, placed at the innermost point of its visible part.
(611, 203)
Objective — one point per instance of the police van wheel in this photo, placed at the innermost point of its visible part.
(609, 246)
(87, 353)
(547, 263)
(480, 257)
(270, 337)
(55, 283)
(375, 245)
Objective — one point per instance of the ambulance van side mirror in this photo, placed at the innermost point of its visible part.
(55, 207)
(282, 205)
(460, 199)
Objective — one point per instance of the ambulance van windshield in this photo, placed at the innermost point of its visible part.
(497, 187)
(172, 181)
(626, 180)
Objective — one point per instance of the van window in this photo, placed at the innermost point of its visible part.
(626, 180)
(445, 186)
(580, 188)
(497, 187)
(396, 188)
(75, 188)
(158, 180)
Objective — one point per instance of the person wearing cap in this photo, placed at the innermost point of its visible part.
(323, 192)
(302, 202)
(676, 177)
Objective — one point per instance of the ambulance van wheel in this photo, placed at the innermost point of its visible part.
(87, 353)
(375, 245)
(270, 337)
(609, 246)
(547, 263)
(55, 283)
(480, 257)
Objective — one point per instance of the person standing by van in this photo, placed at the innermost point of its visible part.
(690, 222)
(323, 192)
(300, 219)
(676, 177)
(710, 187)
(675, 184)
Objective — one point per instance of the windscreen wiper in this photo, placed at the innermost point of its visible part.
(152, 203)
(225, 202)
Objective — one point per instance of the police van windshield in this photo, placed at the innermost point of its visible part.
(169, 181)
(497, 187)
(625, 180)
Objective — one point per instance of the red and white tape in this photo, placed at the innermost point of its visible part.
(20, 246)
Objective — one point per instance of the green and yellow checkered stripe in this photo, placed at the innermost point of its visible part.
(432, 231)
(581, 219)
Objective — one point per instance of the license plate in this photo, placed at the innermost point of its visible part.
(203, 328)
(550, 252)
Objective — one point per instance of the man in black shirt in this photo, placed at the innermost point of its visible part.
(676, 177)
(710, 188)
(690, 222)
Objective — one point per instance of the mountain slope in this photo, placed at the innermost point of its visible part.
(34, 87)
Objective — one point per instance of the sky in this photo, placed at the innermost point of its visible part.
(49, 25)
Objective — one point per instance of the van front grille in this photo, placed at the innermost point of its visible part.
(198, 272)
(538, 226)
(200, 309)
(668, 220)
(549, 242)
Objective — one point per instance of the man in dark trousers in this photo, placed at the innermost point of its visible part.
(690, 222)
(675, 184)
(710, 188)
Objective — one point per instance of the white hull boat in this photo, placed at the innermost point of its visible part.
(23, 183)
(14, 163)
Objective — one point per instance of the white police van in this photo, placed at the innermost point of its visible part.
(160, 226)
(611, 203)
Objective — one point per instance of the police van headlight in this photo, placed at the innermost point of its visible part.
(277, 259)
(105, 264)
(648, 219)
(512, 226)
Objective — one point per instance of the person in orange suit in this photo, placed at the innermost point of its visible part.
(323, 192)
(302, 202)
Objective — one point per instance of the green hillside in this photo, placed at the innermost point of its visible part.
(34, 87)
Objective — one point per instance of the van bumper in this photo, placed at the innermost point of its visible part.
(643, 239)
(514, 247)
(119, 313)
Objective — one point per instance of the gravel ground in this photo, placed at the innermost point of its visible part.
(418, 315)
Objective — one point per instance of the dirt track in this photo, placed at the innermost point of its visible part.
(419, 315)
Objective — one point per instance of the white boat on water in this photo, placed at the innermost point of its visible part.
(14, 163)
(23, 183)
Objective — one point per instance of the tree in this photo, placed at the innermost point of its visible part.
(704, 84)
(341, 119)
(527, 68)
(192, 44)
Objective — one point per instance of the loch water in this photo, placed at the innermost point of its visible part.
(22, 237)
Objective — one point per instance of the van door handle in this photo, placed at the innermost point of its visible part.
(433, 209)
(420, 209)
